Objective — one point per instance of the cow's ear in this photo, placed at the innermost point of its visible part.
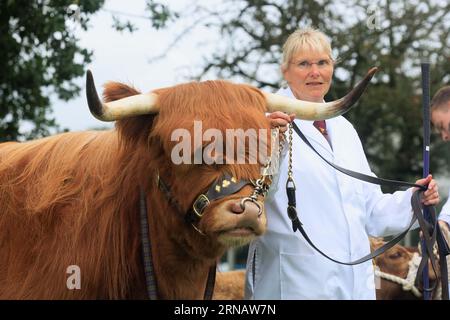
(115, 90)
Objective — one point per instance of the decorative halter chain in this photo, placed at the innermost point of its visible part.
(262, 184)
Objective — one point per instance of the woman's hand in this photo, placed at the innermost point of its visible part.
(431, 195)
(280, 119)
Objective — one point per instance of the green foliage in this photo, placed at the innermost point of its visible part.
(395, 35)
(40, 56)
(160, 14)
(123, 25)
(390, 116)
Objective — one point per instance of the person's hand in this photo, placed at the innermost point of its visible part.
(431, 195)
(280, 119)
(445, 230)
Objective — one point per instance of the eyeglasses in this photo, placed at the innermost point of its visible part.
(306, 65)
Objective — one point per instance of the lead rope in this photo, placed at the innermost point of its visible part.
(292, 211)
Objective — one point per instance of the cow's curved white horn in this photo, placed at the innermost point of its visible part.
(318, 111)
(123, 108)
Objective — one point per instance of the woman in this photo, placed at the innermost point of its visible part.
(338, 212)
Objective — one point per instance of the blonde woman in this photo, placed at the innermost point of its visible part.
(338, 212)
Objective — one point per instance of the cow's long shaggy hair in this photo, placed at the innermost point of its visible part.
(72, 199)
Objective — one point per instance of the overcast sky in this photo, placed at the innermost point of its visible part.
(126, 57)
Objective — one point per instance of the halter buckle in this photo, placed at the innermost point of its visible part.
(200, 204)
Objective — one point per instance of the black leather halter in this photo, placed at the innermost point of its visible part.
(150, 281)
(222, 187)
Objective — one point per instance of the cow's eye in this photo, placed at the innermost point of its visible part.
(395, 255)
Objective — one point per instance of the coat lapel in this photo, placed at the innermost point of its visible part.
(314, 136)
(340, 145)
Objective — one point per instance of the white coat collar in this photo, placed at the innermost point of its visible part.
(307, 127)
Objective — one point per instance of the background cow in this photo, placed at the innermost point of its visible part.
(393, 284)
(230, 285)
(74, 199)
(397, 273)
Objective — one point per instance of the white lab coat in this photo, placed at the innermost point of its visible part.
(338, 213)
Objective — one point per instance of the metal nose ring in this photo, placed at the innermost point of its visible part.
(244, 200)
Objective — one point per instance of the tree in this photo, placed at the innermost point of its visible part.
(389, 120)
(40, 56)
(394, 35)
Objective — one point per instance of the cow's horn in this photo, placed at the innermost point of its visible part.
(123, 108)
(318, 111)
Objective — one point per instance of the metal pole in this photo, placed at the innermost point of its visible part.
(425, 66)
(231, 258)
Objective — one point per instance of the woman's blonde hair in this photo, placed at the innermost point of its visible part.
(305, 39)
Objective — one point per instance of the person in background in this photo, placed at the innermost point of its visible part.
(440, 117)
(338, 212)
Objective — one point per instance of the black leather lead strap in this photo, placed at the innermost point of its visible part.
(358, 175)
(429, 239)
(297, 225)
(432, 233)
(443, 252)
